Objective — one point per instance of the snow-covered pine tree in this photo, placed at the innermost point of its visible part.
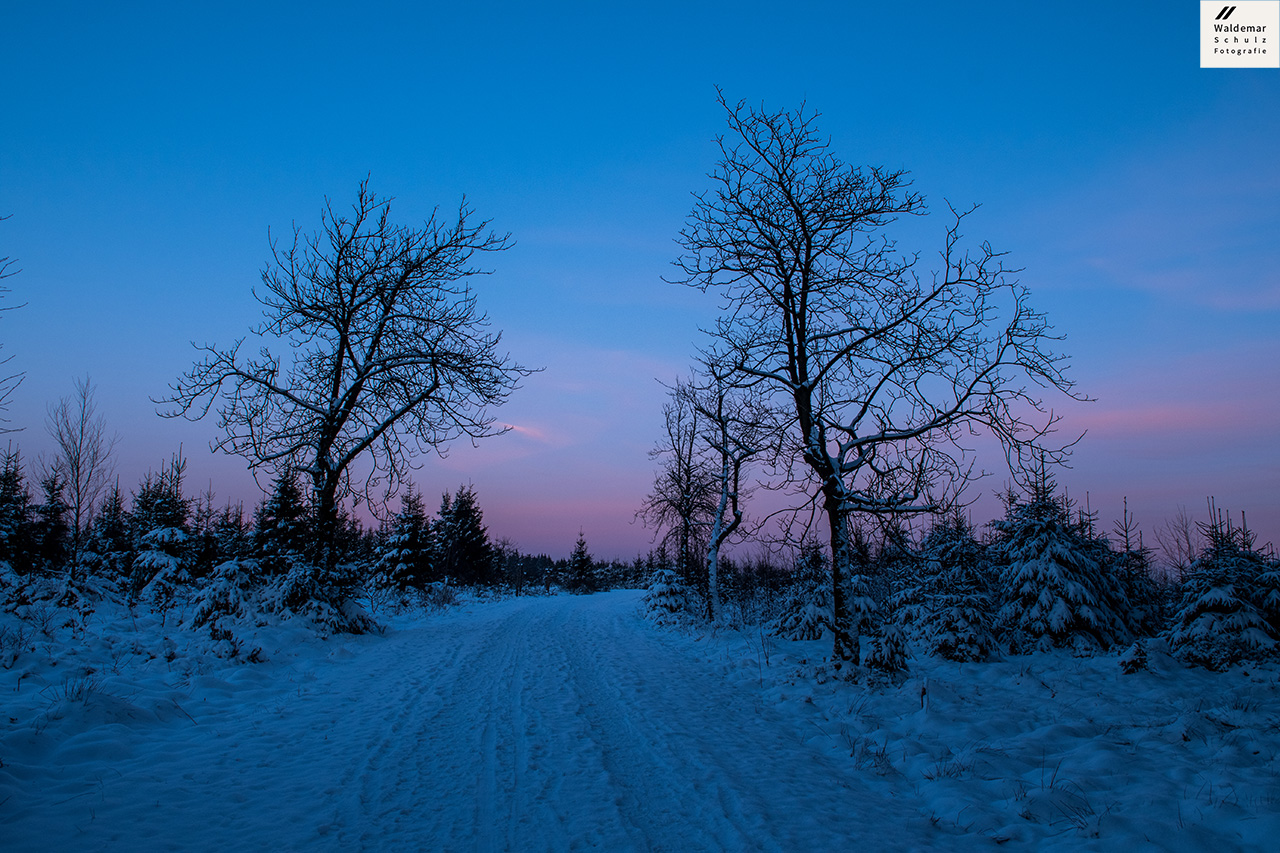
(666, 600)
(299, 582)
(1056, 588)
(281, 528)
(159, 522)
(1221, 618)
(222, 601)
(950, 605)
(231, 534)
(887, 651)
(1267, 597)
(109, 544)
(15, 530)
(580, 575)
(50, 531)
(1132, 566)
(806, 607)
(462, 551)
(895, 561)
(404, 559)
(16, 547)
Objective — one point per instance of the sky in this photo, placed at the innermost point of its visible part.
(147, 151)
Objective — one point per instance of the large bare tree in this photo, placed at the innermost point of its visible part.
(390, 354)
(882, 371)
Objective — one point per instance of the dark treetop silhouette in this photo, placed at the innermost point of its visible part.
(391, 354)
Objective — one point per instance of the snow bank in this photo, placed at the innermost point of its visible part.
(1044, 751)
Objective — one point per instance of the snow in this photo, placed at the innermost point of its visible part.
(573, 722)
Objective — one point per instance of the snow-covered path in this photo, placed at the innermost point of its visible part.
(533, 724)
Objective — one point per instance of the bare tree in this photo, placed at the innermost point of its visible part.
(736, 428)
(1180, 542)
(390, 355)
(882, 372)
(713, 430)
(683, 496)
(83, 460)
(10, 383)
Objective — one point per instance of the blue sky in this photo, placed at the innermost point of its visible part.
(147, 150)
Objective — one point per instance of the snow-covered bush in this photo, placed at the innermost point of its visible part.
(225, 602)
(15, 641)
(158, 570)
(437, 595)
(321, 596)
(887, 650)
(666, 600)
(1134, 659)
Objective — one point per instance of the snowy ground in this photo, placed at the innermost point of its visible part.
(573, 723)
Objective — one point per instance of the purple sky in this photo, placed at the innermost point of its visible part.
(146, 152)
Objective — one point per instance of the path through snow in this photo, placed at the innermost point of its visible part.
(531, 724)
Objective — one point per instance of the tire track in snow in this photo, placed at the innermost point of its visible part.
(534, 724)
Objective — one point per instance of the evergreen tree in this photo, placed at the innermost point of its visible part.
(667, 599)
(404, 561)
(160, 536)
(580, 576)
(51, 534)
(463, 553)
(280, 528)
(806, 609)
(16, 546)
(230, 533)
(353, 544)
(1222, 614)
(1056, 584)
(510, 565)
(202, 547)
(949, 604)
(300, 581)
(1133, 566)
(159, 503)
(109, 538)
(1267, 594)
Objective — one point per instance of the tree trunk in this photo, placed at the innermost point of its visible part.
(719, 532)
(846, 643)
(713, 579)
(326, 490)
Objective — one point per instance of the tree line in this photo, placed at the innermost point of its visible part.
(1045, 576)
(157, 546)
